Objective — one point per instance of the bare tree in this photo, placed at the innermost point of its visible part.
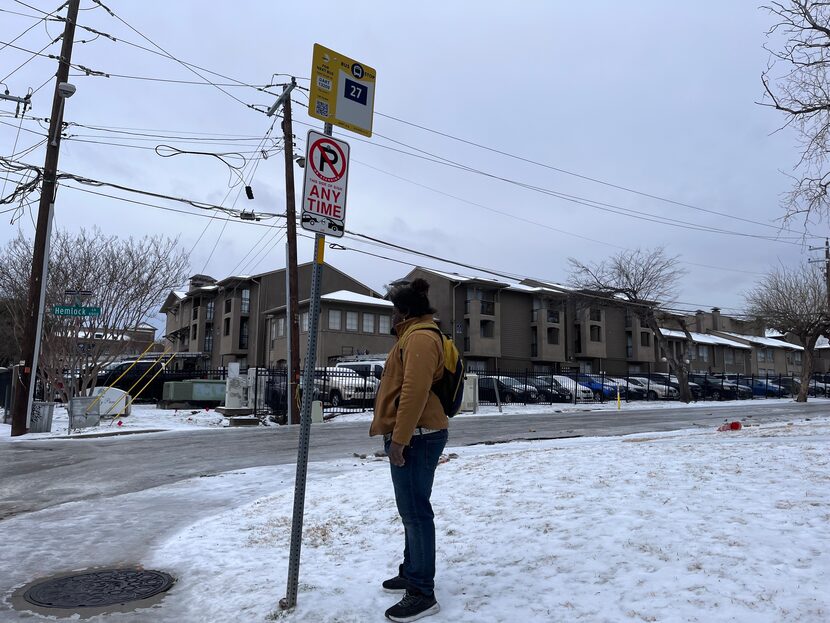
(129, 278)
(643, 280)
(797, 83)
(794, 301)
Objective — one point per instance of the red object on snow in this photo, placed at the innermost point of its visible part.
(730, 426)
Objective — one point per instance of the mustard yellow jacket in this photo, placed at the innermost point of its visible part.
(404, 400)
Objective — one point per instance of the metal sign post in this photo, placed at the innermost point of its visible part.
(290, 599)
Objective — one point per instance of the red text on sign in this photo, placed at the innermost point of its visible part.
(325, 201)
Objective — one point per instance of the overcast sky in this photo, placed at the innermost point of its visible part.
(653, 96)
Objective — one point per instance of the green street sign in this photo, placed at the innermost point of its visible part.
(75, 310)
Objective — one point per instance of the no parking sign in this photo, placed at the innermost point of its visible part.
(326, 181)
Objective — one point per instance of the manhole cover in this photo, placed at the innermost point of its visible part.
(98, 588)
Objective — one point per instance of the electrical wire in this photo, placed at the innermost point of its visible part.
(386, 244)
(577, 175)
(187, 66)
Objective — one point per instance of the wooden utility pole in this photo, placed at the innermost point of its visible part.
(24, 385)
(291, 236)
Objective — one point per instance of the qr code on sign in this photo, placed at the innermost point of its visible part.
(322, 108)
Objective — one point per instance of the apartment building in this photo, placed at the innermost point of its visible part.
(533, 325)
(237, 319)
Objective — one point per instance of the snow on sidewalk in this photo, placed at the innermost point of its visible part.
(679, 526)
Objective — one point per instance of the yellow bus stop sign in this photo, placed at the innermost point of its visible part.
(342, 91)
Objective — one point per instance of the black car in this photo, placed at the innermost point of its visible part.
(510, 390)
(143, 380)
(719, 388)
(671, 380)
(550, 390)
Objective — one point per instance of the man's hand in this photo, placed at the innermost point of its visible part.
(396, 454)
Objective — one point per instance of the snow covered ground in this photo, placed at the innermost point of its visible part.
(682, 526)
(149, 418)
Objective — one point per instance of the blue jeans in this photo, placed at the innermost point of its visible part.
(413, 488)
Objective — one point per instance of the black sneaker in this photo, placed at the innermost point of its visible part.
(413, 607)
(394, 585)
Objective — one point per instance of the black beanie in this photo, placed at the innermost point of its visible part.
(411, 298)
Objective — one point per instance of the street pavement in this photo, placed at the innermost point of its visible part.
(41, 474)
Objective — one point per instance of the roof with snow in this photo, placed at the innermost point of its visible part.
(763, 341)
(345, 296)
(704, 338)
(823, 342)
(464, 278)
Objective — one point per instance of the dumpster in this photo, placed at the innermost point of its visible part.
(41, 420)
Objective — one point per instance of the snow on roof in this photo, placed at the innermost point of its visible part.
(773, 333)
(764, 341)
(704, 338)
(345, 296)
(823, 342)
(462, 278)
(179, 294)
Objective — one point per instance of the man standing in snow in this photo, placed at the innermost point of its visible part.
(414, 428)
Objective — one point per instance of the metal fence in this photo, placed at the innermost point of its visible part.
(530, 387)
(341, 390)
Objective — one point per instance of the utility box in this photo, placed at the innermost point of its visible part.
(41, 419)
(84, 412)
(469, 402)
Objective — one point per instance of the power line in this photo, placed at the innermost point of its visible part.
(598, 205)
(187, 66)
(577, 175)
(370, 239)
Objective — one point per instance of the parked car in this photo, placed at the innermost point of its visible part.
(670, 379)
(365, 368)
(655, 390)
(143, 380)
(760, 386)
(342, 385)
(600, 386)
(633, 391)
(582, 392)
(510, 390)
(549, 389)
(719, 388)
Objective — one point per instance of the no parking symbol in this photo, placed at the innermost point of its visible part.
(324, 189)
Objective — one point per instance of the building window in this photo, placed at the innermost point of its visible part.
(553, 335)
(629, 345)
(243, 333)
(762, 355)
(227, 328)
(488, 308)
(193, 329)
(208, 338)
(703, 352)
(246, 301)
(304, 322)
(228, 305)
(351, 321)
(384, 325)
(596, 333)
(487, 328)
(553, 316)
(272, 333)
(595, 314)
(281, 327)
(798, 357)
(728, 355)
(628, 320)
(645, 339)
(335, 319)
(368, 323)
(209, 311)
(195, 314)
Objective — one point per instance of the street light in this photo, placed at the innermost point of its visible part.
(65, 91)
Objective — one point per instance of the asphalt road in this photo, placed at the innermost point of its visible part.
(45, 473)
